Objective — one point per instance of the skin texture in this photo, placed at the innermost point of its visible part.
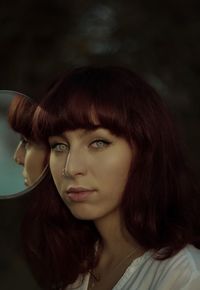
(96, 160)
(32, 156)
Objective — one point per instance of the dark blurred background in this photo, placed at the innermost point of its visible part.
(160, 40)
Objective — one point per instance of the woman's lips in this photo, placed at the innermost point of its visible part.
(79, 194)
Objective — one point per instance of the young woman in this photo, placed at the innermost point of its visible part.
(125, 210)
(33, 156)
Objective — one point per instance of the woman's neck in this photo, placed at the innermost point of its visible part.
(119, 249)
(116, 239)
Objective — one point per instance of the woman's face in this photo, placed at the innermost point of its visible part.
(90, 169)
(32, 156)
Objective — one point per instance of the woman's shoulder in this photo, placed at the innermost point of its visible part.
(192, 254)
(187, 259)
(182, 271)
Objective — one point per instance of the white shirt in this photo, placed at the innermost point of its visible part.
(180, 272)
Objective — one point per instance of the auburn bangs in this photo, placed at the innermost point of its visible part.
(82, 107)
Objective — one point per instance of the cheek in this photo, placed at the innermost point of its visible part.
(114, 172)
(53, 166)
(35, 161)
(43, 158)
(56, 169)
(29, 162)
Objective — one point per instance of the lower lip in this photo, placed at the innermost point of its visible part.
(79, 196)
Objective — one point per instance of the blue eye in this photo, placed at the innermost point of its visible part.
(100, 143)
(59, 147)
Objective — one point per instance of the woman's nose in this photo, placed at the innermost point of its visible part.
(75, 164)
(19, 154)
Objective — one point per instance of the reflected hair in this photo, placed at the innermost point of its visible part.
(160, 205)
(20, 114)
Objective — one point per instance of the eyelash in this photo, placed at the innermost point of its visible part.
(105, 143)
(54, 146)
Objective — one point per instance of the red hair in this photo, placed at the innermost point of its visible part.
(20, 115)
(160, 205)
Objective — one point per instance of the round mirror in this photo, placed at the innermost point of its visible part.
(23, 161)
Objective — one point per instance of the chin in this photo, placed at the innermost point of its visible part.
(80, 216)
(84, 214)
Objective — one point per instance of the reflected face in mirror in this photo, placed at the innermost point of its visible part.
(29, 153)
(16, 113)
(33, 157)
